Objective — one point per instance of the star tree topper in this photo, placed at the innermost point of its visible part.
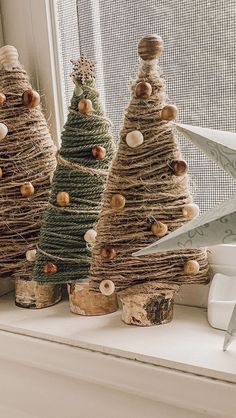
(218, 225)
(83, 69)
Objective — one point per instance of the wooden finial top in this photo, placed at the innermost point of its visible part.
(150, 47)
(8, 57)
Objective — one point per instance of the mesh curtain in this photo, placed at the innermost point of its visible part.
(199, 65)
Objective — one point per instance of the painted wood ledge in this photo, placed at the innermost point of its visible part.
(180, 364)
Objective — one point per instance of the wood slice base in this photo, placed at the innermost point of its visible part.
(148, 303)
(30, 294)
(84, 302)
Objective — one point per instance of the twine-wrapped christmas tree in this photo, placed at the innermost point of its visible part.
(27, 159)
(146, 197)
(68, 230)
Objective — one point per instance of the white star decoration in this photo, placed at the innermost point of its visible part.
(218, 225)
(83, 69)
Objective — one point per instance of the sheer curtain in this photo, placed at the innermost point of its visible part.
(199, 65)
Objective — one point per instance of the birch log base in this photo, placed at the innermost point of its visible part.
(87, 303)
(148, 303)
(33, 295)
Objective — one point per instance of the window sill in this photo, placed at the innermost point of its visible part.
(186, 344)
(158, 363)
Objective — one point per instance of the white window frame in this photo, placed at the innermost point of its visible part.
(32, 27)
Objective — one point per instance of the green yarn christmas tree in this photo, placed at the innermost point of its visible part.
(67, 234)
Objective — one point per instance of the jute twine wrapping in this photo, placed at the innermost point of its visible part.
(27, 154)
(143, 176)
(82, 176)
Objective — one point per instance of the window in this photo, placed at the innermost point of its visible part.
(199, 65)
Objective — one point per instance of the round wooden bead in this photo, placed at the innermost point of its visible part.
(117, 201)
(179, 167)
(99, 152)
(169, 112)
(159, 229)
(2, 99)
(9, 57)
(108, 253)
(27, 189)
(31, 255)
(134, 139)
(191, 268)
(49, 269)
(90, 236)
(3, 131)
(63, 199)
(107, 287)
(1, 173)
(30, 98)
(150, 47)
(143, 90)
(85, 106)
(190, 211)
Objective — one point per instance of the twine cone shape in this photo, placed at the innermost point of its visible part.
(68, 232)
(149, 180)
(27, 159)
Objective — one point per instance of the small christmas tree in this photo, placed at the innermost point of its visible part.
(146, 197)
(27, 159)
(68, 230)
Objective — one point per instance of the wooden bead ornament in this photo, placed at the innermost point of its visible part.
(159, 229)
(118, 201)
(63, 199)
(31, 255)
(49, 269)
(150, 47)
(30, 98)
(107, 287)
(108, 253)
(143, 90)
(134, 139)
(191, 268)
(9, 57)
(85, 106)
(2, 99)
(27, 189)
(169, 112)
(99, 152)
(3, 131)
(190, 211)
(90, 236)
(179, 167)
(1, 173)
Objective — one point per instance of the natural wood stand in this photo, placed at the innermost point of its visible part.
(148, 303)
(32, 295)
(85, 302)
